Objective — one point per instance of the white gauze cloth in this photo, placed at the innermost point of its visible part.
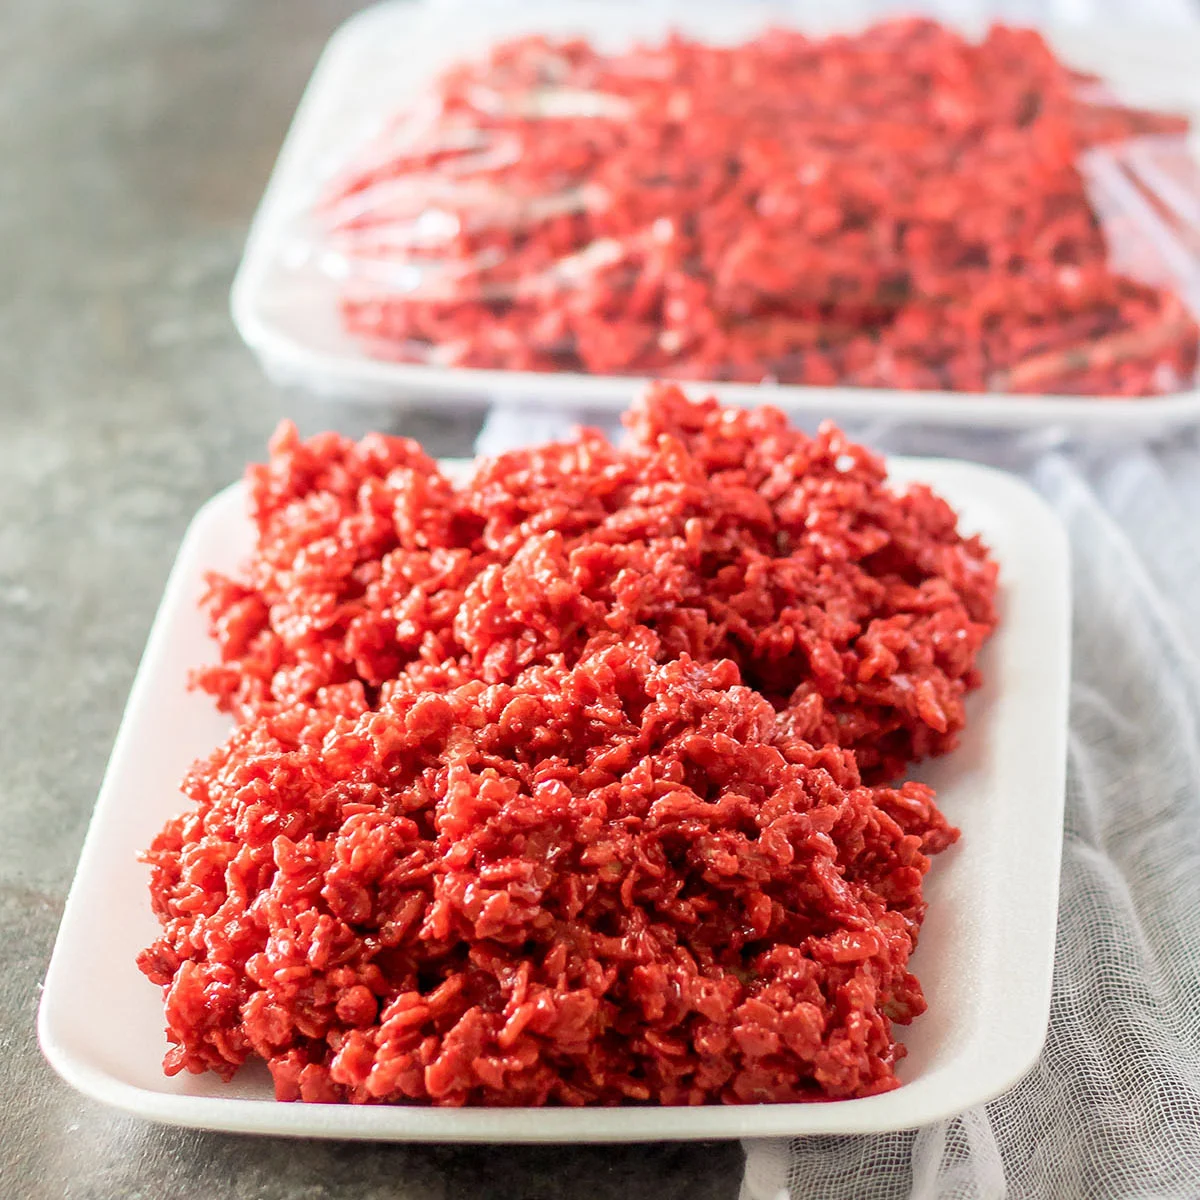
(1112, 1108)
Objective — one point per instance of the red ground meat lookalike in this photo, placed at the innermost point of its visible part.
(857, 611)
(548, 786)
(619, 881)
(901, 207)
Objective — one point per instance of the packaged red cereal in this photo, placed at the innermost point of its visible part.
(900, 208)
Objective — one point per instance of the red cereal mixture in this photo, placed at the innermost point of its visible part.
(856, 611)
(898, 208)
(616, 881)
(568, 784)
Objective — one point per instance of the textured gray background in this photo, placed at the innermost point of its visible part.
(135, 138)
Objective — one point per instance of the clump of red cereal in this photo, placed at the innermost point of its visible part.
(857, 611)
(564, 784)
(617, 881)
(902, 207)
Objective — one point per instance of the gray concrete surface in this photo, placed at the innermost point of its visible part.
(135, 137)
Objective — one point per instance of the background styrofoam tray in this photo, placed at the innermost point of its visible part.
(287, 311)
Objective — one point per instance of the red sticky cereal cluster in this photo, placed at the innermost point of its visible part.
(568, 783)
(603, 883)
(728, 533)
(899, 208)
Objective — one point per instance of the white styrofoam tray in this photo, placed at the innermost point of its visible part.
(986, 951)
(286, 309)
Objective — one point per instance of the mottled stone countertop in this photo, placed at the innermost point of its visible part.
(135, 139)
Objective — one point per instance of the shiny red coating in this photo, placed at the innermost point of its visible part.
(858, 612)
(536, 794)
(900, 208)
(620, 881)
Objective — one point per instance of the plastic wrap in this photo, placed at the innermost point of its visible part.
(898, 208)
